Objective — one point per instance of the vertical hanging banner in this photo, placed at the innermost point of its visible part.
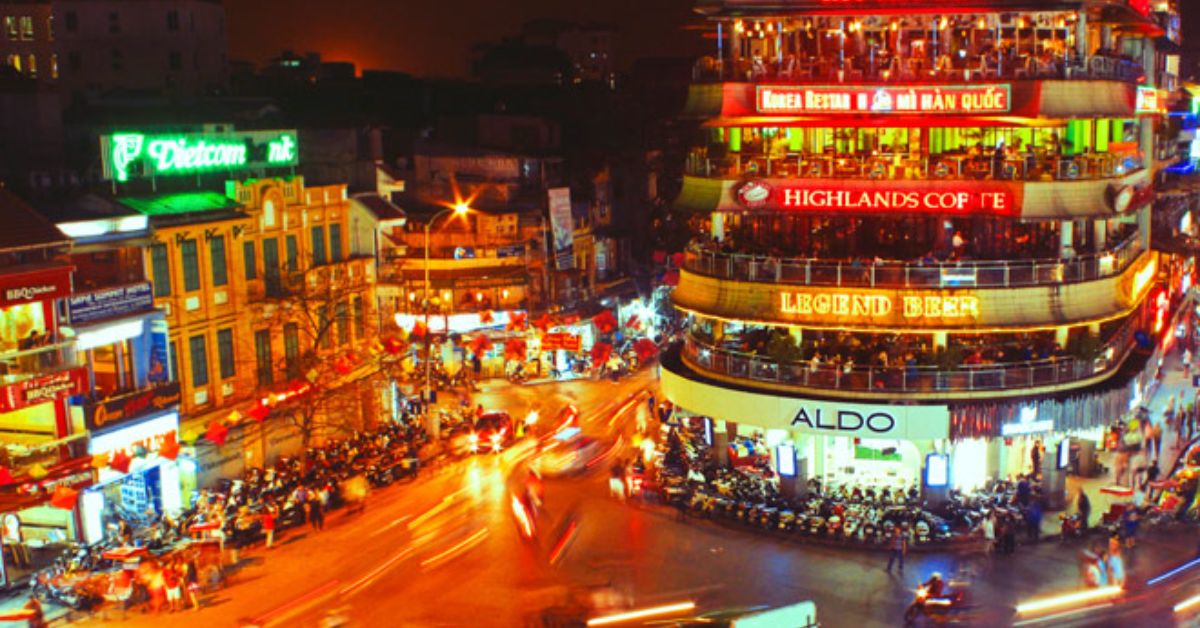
(563, 227)
(160, 364)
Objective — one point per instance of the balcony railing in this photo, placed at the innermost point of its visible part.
(22, 365)
(949, 69)
(910, 379)
(962, 274)
(1032, 167)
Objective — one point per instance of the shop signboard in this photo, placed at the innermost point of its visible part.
(141, 155)
(107, 413)
(148, 433)
(560, 340)
(563, 226)
(108, 303)
(43, 388)
(827, 417)
(1148, 100)
(514, 250)
(42, 285)
(878, 99)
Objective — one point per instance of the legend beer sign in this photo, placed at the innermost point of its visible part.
(839, 99)
(879, 308)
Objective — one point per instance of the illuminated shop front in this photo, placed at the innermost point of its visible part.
(932, 213)
(148, 486)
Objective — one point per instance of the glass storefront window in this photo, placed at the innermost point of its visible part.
(18, 323)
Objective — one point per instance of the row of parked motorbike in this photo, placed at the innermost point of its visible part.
(381, 456)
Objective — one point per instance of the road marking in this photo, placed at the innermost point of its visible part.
(291, 607)
(375, 573)
(461, 546)
(432, 512)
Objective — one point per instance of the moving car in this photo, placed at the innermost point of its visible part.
(492, 432)
(570, 452)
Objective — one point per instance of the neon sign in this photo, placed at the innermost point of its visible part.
(138, 154)
(877, 199)
(878, 306)
(949, 99)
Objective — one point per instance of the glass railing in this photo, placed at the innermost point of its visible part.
(909, 378)
(890, 274)
(950, 69)
(18, 366)
(1033, 167)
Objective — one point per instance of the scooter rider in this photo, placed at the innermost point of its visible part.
(934, 586)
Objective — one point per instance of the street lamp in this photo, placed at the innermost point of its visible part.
(460, 208)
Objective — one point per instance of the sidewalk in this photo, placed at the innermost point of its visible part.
(1174, 383)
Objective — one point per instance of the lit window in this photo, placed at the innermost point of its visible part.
(54, 66)
(15, 62)
(10, 27)
(26, 27)
(32, 66)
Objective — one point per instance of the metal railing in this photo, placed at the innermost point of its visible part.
(1084, 167)
(911, 378)
(887, 274)
(971, 69)
(18, 366)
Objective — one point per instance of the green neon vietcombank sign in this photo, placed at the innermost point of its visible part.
(138, 155)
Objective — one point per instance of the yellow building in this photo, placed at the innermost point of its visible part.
(250, 279)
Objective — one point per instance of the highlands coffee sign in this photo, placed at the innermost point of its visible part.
(838, 99)
(886, 197)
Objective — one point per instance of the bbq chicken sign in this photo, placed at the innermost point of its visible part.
(933, 99)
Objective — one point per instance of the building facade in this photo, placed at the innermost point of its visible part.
(177, 47)
(922, 230)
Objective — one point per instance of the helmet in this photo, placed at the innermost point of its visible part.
(937, 575)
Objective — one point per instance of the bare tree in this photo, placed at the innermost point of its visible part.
(317, 385)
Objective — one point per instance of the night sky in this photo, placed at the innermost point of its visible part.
(434, 37)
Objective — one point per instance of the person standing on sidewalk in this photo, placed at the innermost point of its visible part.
(268, 524)
(899, 545)
(1084, 507)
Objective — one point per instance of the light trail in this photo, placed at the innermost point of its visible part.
(1187, 604)
(680, 607)
(290, 607)
(375, 573)
(461, 546)
(1172, 573)
(1077, 597)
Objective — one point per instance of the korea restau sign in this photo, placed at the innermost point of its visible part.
(128, 407)
(918, 100)
(99, 305)
(143, 155)
(811, 416)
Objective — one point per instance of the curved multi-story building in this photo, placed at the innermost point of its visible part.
(920, 227)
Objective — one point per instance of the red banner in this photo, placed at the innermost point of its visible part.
(871, 99)
(564, 341)
(43, 388)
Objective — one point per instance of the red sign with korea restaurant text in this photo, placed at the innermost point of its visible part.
(840, 99)
(902, 197)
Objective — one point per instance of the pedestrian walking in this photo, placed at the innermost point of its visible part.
(268, 524)
(316, 515)
(899, 545)
(1035, 456)
(173, 585)
(987, 528)
(1034, 521)
(1084, 506)
(1115, 563)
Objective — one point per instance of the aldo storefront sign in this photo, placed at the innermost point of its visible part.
(806, 416)
(835, 418)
